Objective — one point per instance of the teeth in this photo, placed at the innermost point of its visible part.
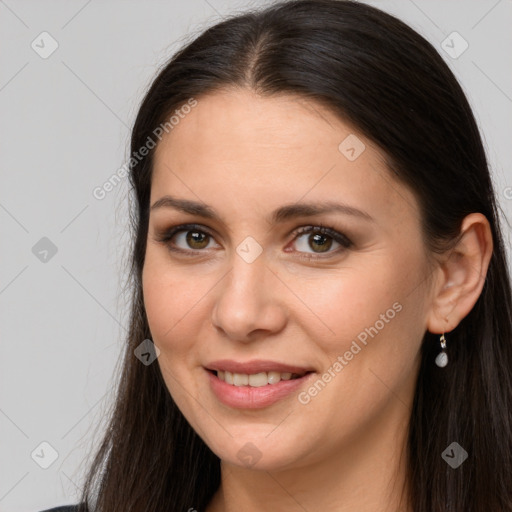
(255, 380)
(240, 379)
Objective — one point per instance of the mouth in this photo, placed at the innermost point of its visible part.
(256, 380)
(265, 383)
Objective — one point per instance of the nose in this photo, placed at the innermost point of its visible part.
(250, 302)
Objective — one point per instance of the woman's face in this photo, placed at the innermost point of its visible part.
(349, 306)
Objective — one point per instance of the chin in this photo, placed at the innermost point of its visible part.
(260, 454)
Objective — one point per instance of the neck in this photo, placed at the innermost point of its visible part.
(367, 474)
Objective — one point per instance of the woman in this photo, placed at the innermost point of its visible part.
(322, 309)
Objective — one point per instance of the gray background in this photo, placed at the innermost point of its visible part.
(64, 131)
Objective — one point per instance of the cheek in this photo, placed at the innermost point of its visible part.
(167, 299)
(172, 309)
(371, 316)
(345, 303)
(174, 300)
(371, 357)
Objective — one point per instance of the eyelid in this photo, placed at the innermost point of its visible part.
(339, 237)
(164, 236)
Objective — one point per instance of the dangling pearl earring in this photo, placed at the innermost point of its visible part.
(442, 357)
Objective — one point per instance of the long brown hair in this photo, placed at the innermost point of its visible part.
(380, 75)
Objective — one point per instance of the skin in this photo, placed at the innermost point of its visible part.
(245, 155)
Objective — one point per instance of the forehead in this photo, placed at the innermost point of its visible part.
(243, 120)
(237, 149)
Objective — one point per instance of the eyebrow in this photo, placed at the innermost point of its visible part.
(281, 214)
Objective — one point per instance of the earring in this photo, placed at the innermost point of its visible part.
(442, 357)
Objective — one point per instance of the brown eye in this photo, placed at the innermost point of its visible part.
(191, 239)
(196, 239)
(185, 239)
(319, 239)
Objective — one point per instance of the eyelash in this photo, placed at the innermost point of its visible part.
(338, 237)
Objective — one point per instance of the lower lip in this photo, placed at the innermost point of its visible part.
(248, 397)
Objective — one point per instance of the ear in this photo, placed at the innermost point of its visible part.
(461, 275)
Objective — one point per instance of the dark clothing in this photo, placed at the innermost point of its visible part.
(66, 508)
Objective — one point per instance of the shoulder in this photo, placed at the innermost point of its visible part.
(66, 508)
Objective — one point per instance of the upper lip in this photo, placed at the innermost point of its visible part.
(255, 366)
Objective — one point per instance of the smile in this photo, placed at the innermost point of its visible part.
(255, 391)
(256, 379)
